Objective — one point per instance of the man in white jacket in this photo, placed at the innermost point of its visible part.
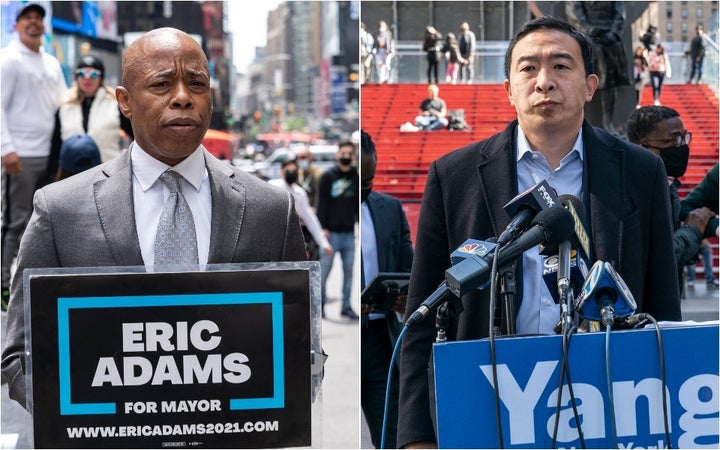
(308, 219)
(33, 86)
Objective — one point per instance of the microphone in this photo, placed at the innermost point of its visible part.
(469, 248)
(551, 226)
(571, 268)
(578, 272)
(605, 296)
(472, 247)
(524, 206)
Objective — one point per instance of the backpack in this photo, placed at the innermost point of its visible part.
(456, 120)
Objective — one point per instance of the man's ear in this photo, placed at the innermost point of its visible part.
(123, 100)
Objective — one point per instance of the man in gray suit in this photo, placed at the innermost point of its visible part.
(108, 215)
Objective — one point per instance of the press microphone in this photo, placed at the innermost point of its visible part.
(469, 248)
(605, 296)
(524, 206)
(570, 266)
(550, 227)
(578, 272)
(472, 247)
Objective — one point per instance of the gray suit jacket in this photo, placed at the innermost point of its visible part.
(88, 221)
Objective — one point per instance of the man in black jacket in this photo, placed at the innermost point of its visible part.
(549, 79)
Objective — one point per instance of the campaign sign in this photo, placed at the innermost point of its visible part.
(216, 359)
(528, 369)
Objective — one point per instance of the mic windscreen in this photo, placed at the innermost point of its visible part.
(576, 208)
(604, 284)
(557, 224)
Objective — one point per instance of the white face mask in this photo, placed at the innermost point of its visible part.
(303, 164)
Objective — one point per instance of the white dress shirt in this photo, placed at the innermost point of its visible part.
(149, 195)
(538, 313)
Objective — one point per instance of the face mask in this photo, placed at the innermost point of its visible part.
(364, 193)
(675, 160)
(303, 164)
(291, 177)
(345, 161)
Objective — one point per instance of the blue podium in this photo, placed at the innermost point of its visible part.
(528, 369)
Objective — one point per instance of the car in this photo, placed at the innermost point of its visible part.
(323, 157)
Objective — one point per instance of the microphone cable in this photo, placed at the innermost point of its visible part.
(395, 352)
(608, 376)
(565, 373)
(632, 320)
(491, 336)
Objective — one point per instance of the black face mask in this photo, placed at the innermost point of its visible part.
(291, 177)
(364, 193)
(345, 161)
(675, 160)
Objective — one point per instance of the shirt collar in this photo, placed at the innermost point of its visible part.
(147, 169)
(523, 146)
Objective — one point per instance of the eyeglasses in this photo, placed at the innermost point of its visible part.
(677, 139)
(92, 74)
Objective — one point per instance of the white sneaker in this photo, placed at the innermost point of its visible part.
(657, 103)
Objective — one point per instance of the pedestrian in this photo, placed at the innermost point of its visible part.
(383, 52)
(110, 215)
(639, 68)
(659, 67)
(308, 220)
(550, 77)
(433, 111)
(708, 268)
(467, 50)
(78, 153)
(337, 209)
(432, 45)
(661, 130)
(454, 59)
(33, 86)
(308, 174)
(696, 54)
(90, 108)
(386, 247)
(366, 56)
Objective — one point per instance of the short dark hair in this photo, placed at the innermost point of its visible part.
(367, 146)
(347, 144)
(287, 162)
(551, 23)
(643, 121)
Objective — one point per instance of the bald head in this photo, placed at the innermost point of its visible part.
(139, 54)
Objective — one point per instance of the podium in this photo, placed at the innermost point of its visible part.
(528, 369)
(216, 358)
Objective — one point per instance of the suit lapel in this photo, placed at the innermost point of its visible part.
(114, 202)
(498, 177)
(228, 208)
(606, 191)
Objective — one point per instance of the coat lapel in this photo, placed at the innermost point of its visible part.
(114, 202)
(498, 177)
(604, 168)
(228, 208)
(376, 204)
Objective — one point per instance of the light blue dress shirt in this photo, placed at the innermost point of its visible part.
(538, 313)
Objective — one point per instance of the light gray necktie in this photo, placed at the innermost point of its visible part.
(175, 241)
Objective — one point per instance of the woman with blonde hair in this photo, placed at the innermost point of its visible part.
(90, 108)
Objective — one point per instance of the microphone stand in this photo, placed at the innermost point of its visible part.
(508, 290)
(565, 291)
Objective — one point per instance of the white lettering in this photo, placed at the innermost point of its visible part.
(699, 397)
(626, 394)
(106, 372)
(591, 401)
(521, 403)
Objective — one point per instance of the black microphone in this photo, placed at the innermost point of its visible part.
(550, 227)
(580, 239)
(469, 248)
(605, 296)
(524, 206)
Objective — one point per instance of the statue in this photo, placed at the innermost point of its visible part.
(603, 22)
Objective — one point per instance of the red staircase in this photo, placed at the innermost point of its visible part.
(404, 157)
